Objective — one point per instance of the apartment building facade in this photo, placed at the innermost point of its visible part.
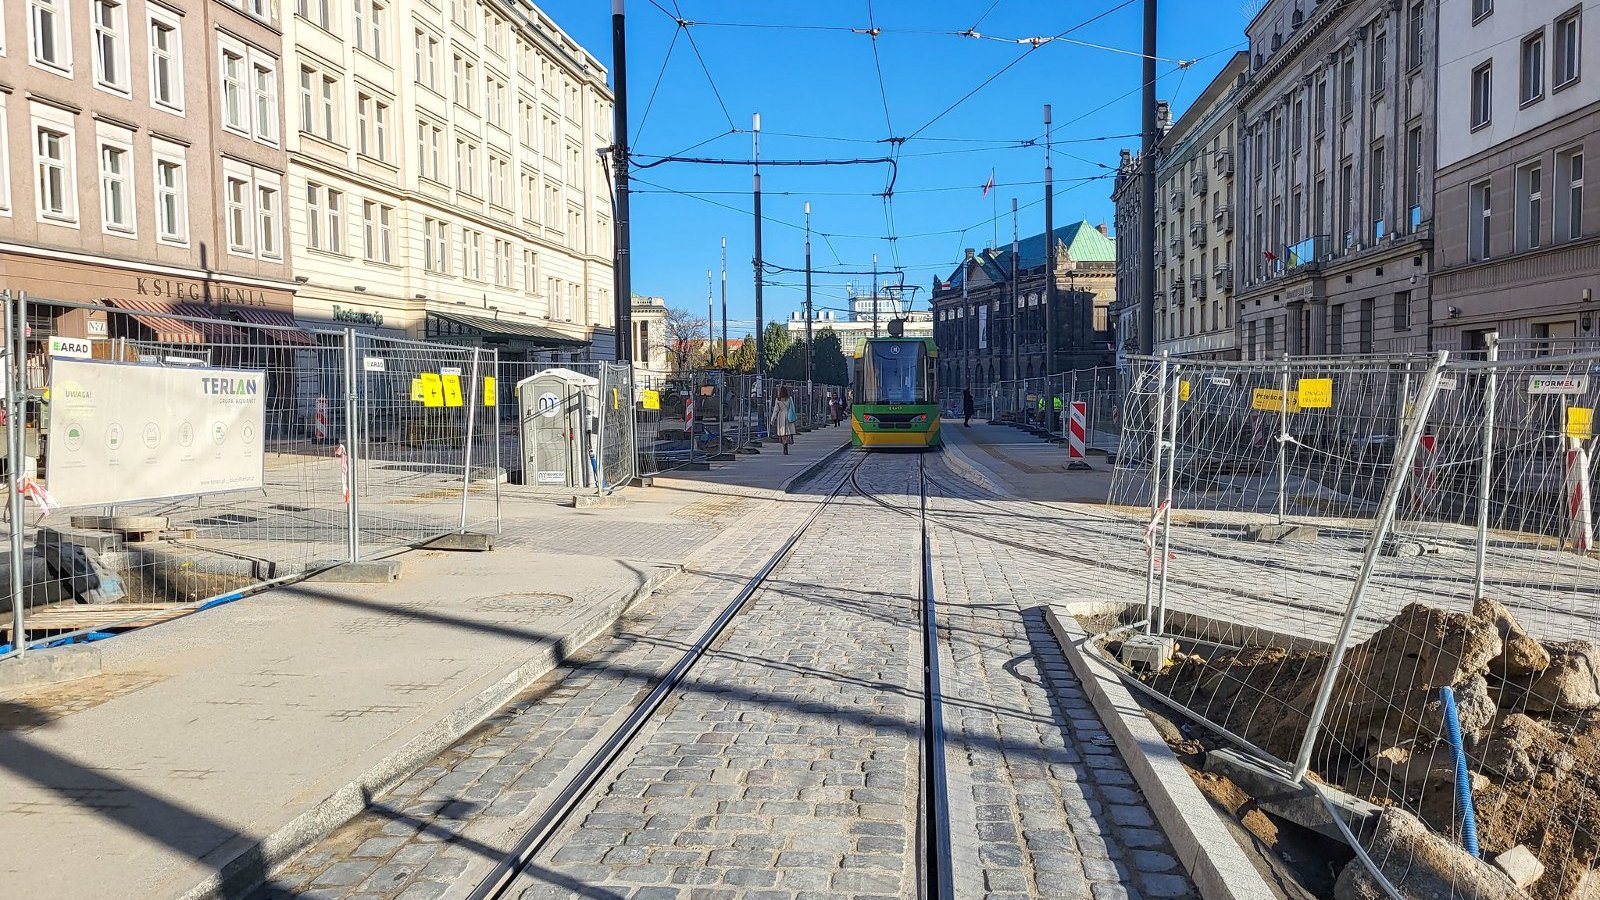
(1518, 243)
(1334, 178)
(1195, 223)
(445, 178)
(143, 164)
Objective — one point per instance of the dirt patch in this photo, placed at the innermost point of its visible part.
(1524, 709)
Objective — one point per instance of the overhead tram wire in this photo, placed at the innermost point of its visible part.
(703, 67)
(650, 103)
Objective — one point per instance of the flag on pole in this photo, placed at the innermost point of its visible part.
(989, 185)
(1271, 257)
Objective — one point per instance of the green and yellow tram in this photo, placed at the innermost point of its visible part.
(895, 403)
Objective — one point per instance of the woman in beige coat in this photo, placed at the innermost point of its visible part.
(781, 422)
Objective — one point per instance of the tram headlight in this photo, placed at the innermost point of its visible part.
(867, 417)
(921, 418)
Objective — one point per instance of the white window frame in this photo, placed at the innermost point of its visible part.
(1480, 211)
(61, 122)
(333, 202)
(108, 136)
(377, 27)
(1531, 60)
(1562, 49)
(314, 221)
(268, 217)
(241, 86)
(5, 160)
(265, 121)
(1566, 186)
(174, 155)
(238, 214)
(157, 17)
(1530, 207)
(1483, 103)
(61, 27)
(120, 85)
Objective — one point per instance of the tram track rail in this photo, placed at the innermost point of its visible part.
(933, 864)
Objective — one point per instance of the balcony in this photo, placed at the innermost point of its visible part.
(1197, 235)
(1224, 162)
(1305, 253)
(1379, 230)
(1161, 257)
(1176, 244)
(1223, 276)
(1197, 182)
(1176, 198)
(1197, 286)
(1416, 218)
(1223, 219)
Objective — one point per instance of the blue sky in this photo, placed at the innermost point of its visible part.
(817, 88)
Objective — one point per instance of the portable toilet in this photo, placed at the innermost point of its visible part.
(560, 416)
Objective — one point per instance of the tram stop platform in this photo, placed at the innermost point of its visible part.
(209, 745)
(1017, 464)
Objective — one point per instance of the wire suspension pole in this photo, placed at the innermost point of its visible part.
(808, 300)
(1049, 281)
(724, 301)
(874, 295)
(711, 321)
(755, 138)
(1147, 164)
(622, 272)
(1016, 312)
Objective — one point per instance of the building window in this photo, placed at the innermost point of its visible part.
(1530, 207)
(318, 12)
(171, 219)
(1349, 83)
(265, 89)
(1380, 63)
(436, 246)
(1569, 197)
(1569, 39)
(464, 74)
(472, 254)
(502, 263)
(1347, 180)
(1481, 212)
(50, 34)
(499, 174)
(1367, 313)
(237, 198)
(1481, 10)
(335, 209)
(116, 191)
(1533, 68)
(1482, 95)
(467, 167)
(319, 104)
(372, 127)
(1335, 329)
(530, 272)
(56, 183)
(1402, 311)
(1414, 177)
(427, 60)
(371, 21)
(267, 221)
(166, 61)
(234, 114)
(377, 231)
(110, 20)
(324, 219)
(1380, 193)
(1414, 22)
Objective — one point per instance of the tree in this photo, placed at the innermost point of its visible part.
(775, 342)
(686, 339)
(792, 365)
(743, 357)
(828, 364)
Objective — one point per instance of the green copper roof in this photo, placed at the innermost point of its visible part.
(1083, 241)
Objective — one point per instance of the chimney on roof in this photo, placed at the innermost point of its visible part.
(970, 254)
(1127, 157)
(1103, 229)
(1163, 116)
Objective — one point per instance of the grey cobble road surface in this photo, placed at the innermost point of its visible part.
(786, 767)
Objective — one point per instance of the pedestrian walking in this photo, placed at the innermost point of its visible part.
(838, 409)
(782, 422)
(966, 407)
(833, 409)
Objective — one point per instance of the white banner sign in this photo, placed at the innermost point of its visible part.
(1558, 384)
(71, 348)
(120, 433)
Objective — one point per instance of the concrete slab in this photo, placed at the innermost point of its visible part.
(51, 666)
(598, 501)
(772, 470)
(380, 571)
(1021, 466)
(468, 541)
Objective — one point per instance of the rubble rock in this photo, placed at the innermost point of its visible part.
(1571, 683)
(1520, 865)
(1517, 751)
(1475, 710)
(1523, 655)
(1421, 865)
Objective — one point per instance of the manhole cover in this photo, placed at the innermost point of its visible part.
(523, 602)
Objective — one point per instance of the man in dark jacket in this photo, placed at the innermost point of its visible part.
(966, 408)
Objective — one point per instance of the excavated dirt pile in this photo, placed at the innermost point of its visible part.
(1526, 709)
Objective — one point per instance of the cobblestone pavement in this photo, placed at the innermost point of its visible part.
(1042, 804)
(438, 831)
(787, 766)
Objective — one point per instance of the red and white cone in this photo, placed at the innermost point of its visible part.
(1580, 510)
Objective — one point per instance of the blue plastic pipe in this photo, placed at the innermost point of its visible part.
(1452, 725)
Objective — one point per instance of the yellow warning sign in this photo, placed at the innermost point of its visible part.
(1580, 422)
(650, 399)
(1315, 393)
(1271, 399)
(432, 390)
(488, 390)
(452, 390)
(1183, 391)
(416, 390)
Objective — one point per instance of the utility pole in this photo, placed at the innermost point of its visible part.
(1147, 165)
(724, 301)
(755, 137)
(874, 295)
(711, 345)
(1049, 279)
(808, 298)
(622, 265)
(1016, 309)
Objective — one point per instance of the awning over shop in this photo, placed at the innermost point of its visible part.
(454, 325)
(167, 331)
(287, 330)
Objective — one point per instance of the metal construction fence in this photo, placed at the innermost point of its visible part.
(707, 416)
(1023, 402)
(178, 459)
(569, 428)
(1380, 571)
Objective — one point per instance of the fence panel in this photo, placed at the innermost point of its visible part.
(152, 428)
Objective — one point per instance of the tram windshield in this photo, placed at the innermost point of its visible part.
(897, 373)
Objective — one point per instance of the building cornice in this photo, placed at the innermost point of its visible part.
(1283, 56)
(146, 267)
